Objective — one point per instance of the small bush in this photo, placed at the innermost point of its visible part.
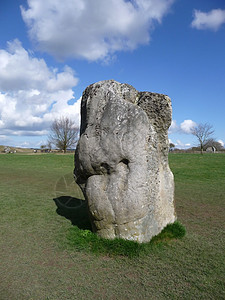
(85, 240)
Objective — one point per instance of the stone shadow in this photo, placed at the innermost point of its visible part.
(73, 209)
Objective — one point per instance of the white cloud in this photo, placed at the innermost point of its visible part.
(173, 127)
(208, 20)
(92, 29)
(181, 145)
(221, 142)
(31, 93)
(187, 125)
(24, 145)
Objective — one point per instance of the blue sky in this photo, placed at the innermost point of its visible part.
(50, 51)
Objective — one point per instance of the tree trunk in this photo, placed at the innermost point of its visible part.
(201, 150)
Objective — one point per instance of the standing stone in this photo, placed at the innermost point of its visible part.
(121, 161)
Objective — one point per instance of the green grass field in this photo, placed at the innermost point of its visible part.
(37, 260)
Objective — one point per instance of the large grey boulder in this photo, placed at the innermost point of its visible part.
(121, 161)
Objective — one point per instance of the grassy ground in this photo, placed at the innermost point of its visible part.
(36, 261)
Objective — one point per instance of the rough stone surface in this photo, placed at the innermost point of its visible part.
(121, 161)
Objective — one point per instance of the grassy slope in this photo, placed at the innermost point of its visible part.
(37, 263)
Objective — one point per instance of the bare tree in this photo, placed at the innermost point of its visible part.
(64, 133)
(203, 133)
